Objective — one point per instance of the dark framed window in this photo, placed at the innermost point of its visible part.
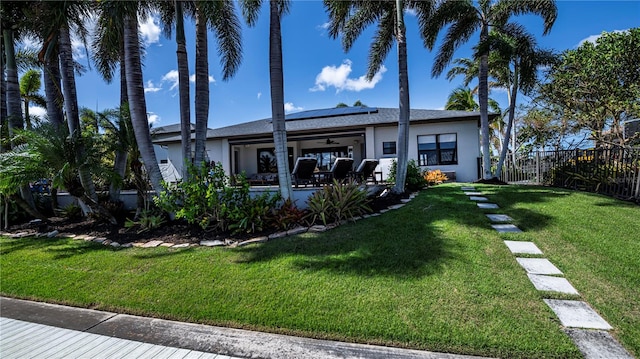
(389, 148)
(438, 150)
(267, 160)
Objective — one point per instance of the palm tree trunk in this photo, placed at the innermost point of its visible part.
(137, 102)
(276, 79)
(202, 89)
(483, 97)
(71, 108)
(14, 108)
(183, 83)
(120, 162)
(405, 112)
(52, 89)
(512, 110)
(4, 125)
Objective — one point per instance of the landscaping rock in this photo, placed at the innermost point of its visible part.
(214, 243)
(181, 245)
(115, 244)
(52, 234)
(151, 244)
(126, 245)
(97, 240)
(277, 235)
(396, 206)
(317, 228)
(253, 241)
(166, 244)
(296, 230)
(138, 244)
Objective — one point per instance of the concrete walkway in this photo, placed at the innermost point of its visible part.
(39, 330)
(583, 325)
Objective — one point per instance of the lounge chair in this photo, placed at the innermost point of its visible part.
(365, 171)
(303, 170)
(341, 168)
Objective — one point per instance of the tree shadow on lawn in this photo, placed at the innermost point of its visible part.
(60, 247)
(402, 243)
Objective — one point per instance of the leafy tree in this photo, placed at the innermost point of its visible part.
(464, 18)
(341, 104)
(277, 9)
(350, 18)
(598, 85)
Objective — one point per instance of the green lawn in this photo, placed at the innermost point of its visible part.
(432, 275)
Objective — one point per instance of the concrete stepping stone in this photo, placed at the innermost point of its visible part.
(517, 247)
(468, 188)
(506, 228)
(499, 218)
(473, 193)
(577, 314)
(597, 344)
(538, 266)
(487, 205)
(478, 199)
(552, 284)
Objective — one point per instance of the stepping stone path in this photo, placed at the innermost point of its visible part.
(582, 324)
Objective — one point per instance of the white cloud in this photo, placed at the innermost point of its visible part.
(192, 78)
(37, 111)
(150, 87)
(150, 30)
(338, 77)
(152, 117)
(411, 12)
(593, 38)
(289, 107)
(171, 77)
(259, 95)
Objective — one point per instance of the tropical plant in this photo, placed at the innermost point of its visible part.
(286, 216)
(434, 177)
(461, 99)
(29, 87)
(462, 19)
(337, 202)
(147, 221)
(350, 18)
(277, 9)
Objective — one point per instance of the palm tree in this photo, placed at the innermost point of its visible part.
(29, 87)
(135, 92)
(464, 18)
(461, 99)
(277, 9)
(350, 18)
(519, 49)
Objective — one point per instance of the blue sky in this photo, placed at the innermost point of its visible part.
(318, 73)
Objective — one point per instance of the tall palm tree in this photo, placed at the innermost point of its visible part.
(135, 92)
(277, 9)
(350, 18)
(519, 49)
(464, 18)
(30, 85)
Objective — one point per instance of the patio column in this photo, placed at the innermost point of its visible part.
(370, 142)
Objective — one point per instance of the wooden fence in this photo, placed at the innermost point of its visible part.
(611, 171)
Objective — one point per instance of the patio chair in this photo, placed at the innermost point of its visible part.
(365, 171)
(341, 168)
(303, 170)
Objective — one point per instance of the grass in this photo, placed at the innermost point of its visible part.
(432, 275)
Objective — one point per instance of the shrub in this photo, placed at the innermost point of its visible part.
(434, 177)
(147, 221)
(287, 216)
(414, 180)
(72, 211)
(337, 202)
(207, 199)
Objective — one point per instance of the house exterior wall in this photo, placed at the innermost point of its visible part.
(468, 145)
(467, 136)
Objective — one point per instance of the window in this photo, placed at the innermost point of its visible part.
(389, 148)
(437, 150)
(325, 156)
(267, 160)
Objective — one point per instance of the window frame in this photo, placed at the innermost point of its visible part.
(423, 155)
(393, 147)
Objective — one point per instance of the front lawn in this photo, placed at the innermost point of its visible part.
(432, 275)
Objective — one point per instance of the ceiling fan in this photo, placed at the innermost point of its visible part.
(329, 141)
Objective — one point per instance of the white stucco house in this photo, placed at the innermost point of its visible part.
(438, 139)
